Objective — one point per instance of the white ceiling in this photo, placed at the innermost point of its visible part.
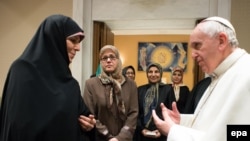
(150, 16)
(168, 26)
(156, 16)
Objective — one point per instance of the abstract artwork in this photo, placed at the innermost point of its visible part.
(167, 54)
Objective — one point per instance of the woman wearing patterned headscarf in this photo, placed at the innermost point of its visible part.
(111, 98)
(180, 90)
(150, 96)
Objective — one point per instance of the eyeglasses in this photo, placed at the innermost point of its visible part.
(105, 58)
(130, 73)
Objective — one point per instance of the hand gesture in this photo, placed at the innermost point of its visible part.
(87, 123)
(170, 117)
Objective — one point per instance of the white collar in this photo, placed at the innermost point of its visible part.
(228, 62)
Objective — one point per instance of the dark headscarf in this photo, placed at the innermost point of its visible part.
(124, 70)
(41, 100)
(48, 45)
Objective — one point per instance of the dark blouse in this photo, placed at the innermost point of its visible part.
(196, 95)
(166, 97)
(184, 93)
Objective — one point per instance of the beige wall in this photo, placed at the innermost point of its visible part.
(19, 20)
(240, 18)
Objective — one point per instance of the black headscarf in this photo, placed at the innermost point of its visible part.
(41, 100)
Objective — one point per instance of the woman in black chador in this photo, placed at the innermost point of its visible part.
(41, 99)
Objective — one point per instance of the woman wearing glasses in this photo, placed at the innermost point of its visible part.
(129, 72)
(150, 97)
(111, 98)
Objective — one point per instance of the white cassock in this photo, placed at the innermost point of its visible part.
(225, 102)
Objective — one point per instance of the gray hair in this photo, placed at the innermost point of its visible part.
(212, 28)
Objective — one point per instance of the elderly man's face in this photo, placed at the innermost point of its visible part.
(205, 50)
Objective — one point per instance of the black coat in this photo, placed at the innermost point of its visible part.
(184, 94)
(196, 94)
(165, 96)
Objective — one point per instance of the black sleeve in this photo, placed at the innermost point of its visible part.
(196, 94)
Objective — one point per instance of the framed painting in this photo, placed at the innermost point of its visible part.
(167, 54)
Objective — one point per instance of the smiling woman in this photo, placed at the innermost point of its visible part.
(150, 96)
(40, 92)
(129, 71)
(178, 88)
(73, 44)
